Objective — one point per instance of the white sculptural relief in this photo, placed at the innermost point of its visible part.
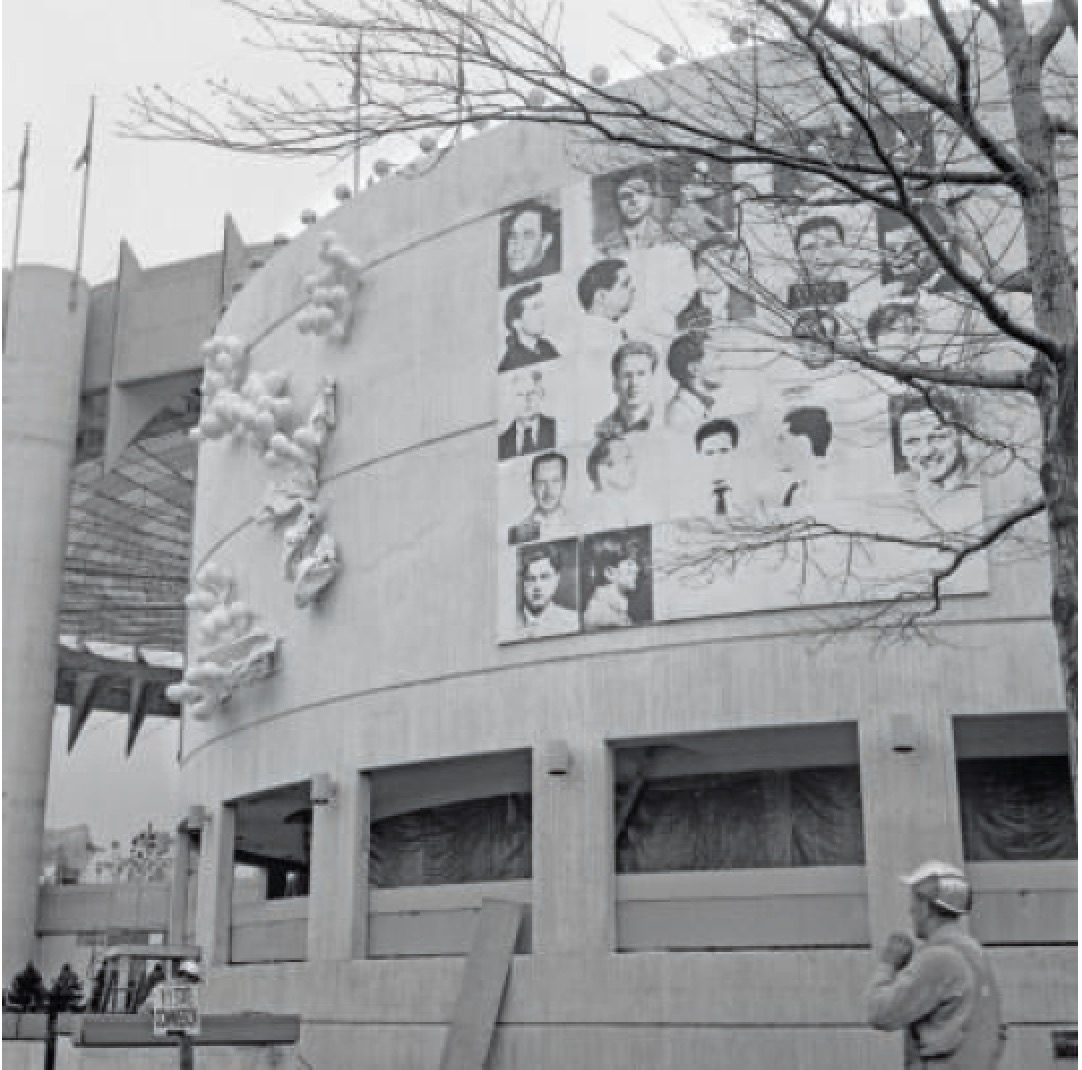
(331, 292)
(310, 555)
(231, 651)
(237, 401)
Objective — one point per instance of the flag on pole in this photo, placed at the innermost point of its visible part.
(84, 161)
(88, 148)
(20, 182)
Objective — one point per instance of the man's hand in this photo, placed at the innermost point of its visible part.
(898, 950)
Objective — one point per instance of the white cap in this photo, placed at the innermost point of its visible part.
(934, 868)
(947, 886)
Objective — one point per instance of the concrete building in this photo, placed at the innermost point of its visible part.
(401, 744)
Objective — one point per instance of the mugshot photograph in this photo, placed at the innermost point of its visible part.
(698, 195)
(547, 595)
(548, 515)
(617, 581)
(820, 245)
(629, 211)
(531, 429)
(530, 241)
(524, 319)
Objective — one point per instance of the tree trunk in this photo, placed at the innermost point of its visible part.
(1055, 311)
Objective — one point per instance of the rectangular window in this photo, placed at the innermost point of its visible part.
(1019, 830)
(272, 858)
(748, 838)
(442, 836)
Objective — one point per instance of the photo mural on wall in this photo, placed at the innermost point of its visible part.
(677, 435)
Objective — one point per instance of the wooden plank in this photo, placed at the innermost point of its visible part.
(431, 933)
(1050, 876)
(269, 941)
(483, 981)
(1023, 917)
(767, 922)
(742, 883)
(137, 1030)
(446, 896)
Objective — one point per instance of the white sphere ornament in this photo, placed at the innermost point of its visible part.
(738, 33)
(381, 168)
(666, 55)
(896, 7)
(427, 143)
(536, 98)
(480, 125)
(342, 192)
(308, 217)
(599, 75)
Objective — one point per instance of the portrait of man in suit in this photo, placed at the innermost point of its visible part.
(524, 318)
(531, 430)
(549, 518)
(637, 211)
(529, 242)
(819, 243)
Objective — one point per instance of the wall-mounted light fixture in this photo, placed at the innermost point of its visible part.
(324, 791)
(904, 735)
(556, 757)
(196, 818)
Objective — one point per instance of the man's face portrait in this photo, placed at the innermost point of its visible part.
(548, 485)
(527, 242)
(614, 304)
(719, 444)
(633, 381)
(528, 392)
(932, 450)
(906, 254)
(634, 199)
(617, 471)
(532, 320)
(820, 250)
(625, 575)
(539, 583)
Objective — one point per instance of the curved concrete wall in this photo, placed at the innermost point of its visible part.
(400, 663)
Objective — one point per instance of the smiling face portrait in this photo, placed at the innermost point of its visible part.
(931, 448)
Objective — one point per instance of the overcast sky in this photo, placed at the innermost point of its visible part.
(169, 202)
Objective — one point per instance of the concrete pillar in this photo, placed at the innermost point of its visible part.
(178, 899)
(42, 373)
(338, 897)
(214, 894)
(910, 802)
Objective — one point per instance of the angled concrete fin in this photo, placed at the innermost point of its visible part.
(86, 685)
(129, 270)
(480, 992)
(131, 408)
(137, 710)
(234, 259)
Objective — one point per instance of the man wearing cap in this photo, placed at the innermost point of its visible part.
(942, 992)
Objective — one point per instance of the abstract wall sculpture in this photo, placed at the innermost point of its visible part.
(231, 651)
(310, 555)
(237, 401)
(331, 292)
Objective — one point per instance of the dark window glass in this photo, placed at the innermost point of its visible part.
(1016, 809)
(462, 843)
(757, 820)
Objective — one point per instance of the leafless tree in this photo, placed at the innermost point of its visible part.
(958, 127)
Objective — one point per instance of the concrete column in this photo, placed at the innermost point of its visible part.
(42, 373)
(338, 897)
(214, 897)
(910, 803)
(178, 899)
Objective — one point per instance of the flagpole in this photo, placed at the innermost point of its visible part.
(21, 187)
(84, 160)
(357, 118)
